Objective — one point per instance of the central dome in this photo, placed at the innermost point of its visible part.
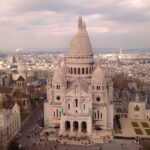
(80, 44)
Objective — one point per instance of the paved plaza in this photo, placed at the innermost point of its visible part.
(127, 129)
(31, 139)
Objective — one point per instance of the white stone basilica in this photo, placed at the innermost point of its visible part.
(80, 98)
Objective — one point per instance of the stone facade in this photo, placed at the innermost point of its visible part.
(10, 124)
(137, 109)
(80, 98)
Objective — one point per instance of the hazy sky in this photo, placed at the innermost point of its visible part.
(52, 23)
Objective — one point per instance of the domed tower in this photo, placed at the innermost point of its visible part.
(79, 59)
(98, 83)
(59, 83)
(103, 110)
(55, 94)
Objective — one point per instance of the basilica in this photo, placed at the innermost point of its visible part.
(80, 97)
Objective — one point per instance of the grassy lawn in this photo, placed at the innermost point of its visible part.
(135, 124)
(147, 131)
(145, 125)
(138, 131)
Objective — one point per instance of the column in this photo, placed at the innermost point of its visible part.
(89, 127)
(79, 130)
(62, 127)
(71, 125)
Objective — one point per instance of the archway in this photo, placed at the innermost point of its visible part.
(83, 126)
(67, 125)
(75, 126)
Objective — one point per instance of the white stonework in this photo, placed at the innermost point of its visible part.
(10, 123)
(79, 96)
(137, 109)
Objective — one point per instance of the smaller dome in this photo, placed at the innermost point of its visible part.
(59, 75)
(98, 75)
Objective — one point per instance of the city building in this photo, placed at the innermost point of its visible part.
(10, 124)
(80, 97)
(137, 109)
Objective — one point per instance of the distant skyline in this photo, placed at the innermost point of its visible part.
(51, 24)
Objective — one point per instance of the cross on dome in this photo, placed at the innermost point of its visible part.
(81, 23)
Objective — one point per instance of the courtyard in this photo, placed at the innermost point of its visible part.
(134, 128)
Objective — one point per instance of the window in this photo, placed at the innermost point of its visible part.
(57, 113)
(98, 87)
(95, 115)
(74, 70)
(84, 106)
(78, 70)
(68, 106)
(86, 70)
(93, 87)
(76, 102)
(24, 103)
(101, 116)
(98, 114)
(54, 114)
(82, 70)
(58, 87)
(58, 98)
(136, 108)
(98, 99)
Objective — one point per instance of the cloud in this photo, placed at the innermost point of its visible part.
(45, 23)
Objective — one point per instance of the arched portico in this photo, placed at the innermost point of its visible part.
(84, 126)
(75, 126)
(67, 125)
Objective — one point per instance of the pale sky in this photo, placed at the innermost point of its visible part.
(53, 23)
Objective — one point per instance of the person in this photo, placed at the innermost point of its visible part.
(100, 148)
